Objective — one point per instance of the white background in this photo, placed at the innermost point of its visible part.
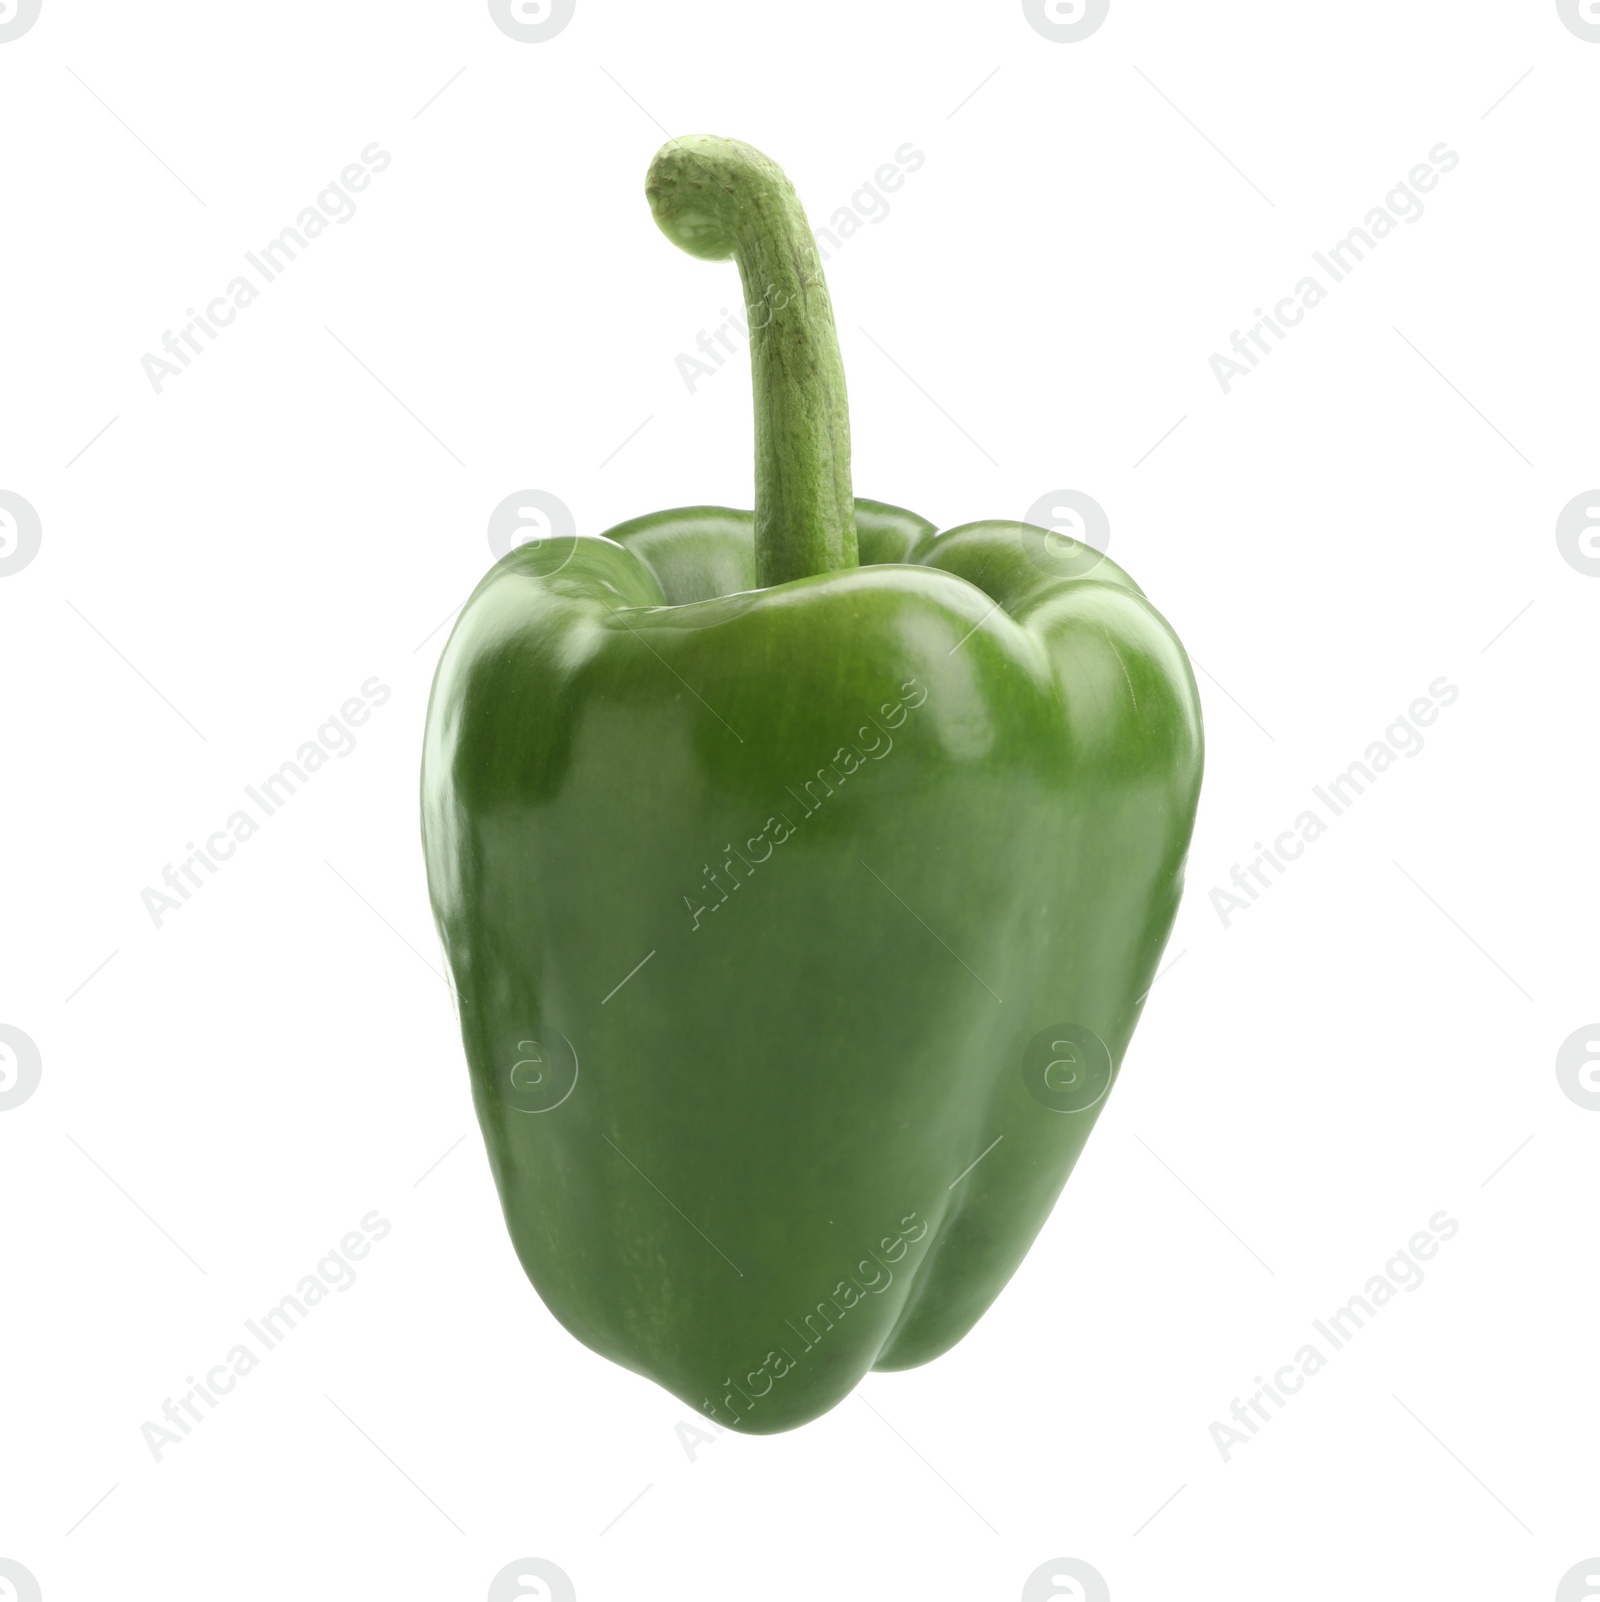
(222, 1098)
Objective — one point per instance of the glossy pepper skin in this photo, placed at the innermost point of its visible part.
(802, 876)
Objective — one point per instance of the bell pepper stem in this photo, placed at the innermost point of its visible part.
(718, 198)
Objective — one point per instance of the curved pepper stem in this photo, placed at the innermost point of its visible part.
(717, 198)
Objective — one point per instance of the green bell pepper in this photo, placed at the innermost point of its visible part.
(941, 784)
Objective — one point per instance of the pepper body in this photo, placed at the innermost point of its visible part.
(798, 931)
